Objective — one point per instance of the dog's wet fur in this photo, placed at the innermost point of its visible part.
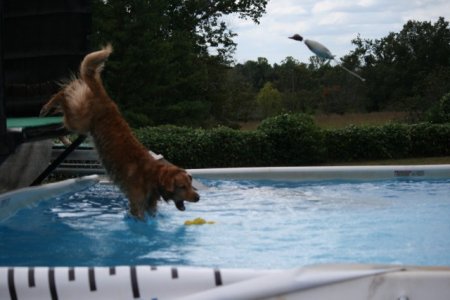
(88, 109)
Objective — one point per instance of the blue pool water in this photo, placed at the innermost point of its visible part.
(258, 224)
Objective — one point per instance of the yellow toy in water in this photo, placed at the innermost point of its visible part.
(198, 221)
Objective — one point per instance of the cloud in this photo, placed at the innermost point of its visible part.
(328, 6)
(366, 3)
(334, 23)
(287, 10)
(334, 18)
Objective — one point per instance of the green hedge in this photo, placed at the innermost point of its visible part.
(294, 140)
(430, 140)
(197, 148)
(368, 143)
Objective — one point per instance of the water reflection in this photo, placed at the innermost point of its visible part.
(90, 228)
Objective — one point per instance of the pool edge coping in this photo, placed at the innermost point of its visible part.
(326, 172)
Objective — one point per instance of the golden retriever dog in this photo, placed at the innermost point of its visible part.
(88, 109)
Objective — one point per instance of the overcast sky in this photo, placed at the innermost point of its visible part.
(333, 23)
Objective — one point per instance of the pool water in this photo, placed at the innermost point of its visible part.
(258, 224)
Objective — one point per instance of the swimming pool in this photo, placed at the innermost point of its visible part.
(74, 239)
(260, 223)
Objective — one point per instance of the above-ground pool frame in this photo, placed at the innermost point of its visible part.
(172, 282)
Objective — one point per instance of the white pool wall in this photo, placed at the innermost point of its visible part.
(13, 201)
(326, 173)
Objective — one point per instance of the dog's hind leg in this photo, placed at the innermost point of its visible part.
(54, 104)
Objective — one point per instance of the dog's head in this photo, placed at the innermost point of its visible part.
(176, 184)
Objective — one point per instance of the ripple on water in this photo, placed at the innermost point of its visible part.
(258, 224)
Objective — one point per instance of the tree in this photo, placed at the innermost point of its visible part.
(256, 72)
(292, 76)
(241, 102)
(397, 65)
(298, 85)
(440, 113)
(163, 57)
(269, 100)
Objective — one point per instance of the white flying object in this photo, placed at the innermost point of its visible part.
(322, 52)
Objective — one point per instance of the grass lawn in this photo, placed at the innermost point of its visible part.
(329, 121)
(375, 118)
(406, 161)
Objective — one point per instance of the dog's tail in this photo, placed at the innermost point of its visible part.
(92, 66)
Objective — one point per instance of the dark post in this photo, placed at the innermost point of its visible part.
(4, 149)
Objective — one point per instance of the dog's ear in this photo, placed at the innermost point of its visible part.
(169, 184)
(167, 180)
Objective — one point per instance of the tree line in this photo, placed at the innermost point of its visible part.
(173, 64)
